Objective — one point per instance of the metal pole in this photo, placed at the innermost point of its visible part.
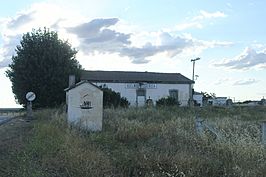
(193, 70)
(191, 99)
(193, 60)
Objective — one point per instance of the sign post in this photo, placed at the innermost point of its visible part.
(30, 96)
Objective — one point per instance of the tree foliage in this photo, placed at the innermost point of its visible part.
(42, 64)
(167, 101)
(112, 99)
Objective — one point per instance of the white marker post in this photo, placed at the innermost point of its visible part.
(30, 96)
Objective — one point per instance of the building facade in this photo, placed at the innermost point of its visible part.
(137, 87)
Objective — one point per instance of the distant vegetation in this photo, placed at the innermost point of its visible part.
(146, 142)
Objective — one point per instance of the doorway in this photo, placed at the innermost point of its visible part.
(141, 97)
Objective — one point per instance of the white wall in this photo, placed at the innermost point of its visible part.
(198, 98)
(91, 119)
(161, 90)
(219, 101)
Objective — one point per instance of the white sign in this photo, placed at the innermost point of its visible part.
(136, 86)
(30, 96)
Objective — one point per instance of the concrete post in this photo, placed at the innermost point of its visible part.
(199, 125)
(263, 128)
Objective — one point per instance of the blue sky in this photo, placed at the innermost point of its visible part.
(159, 36)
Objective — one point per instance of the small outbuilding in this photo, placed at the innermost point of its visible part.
(85, 105)
(198, 98)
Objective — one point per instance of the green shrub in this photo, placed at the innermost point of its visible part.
(168, 101)
(112, 99)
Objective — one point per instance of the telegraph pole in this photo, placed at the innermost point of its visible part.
(191, 99)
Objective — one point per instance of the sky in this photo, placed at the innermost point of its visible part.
(152, 35)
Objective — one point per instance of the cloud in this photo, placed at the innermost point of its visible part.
(99, 35)
(199, 20)
(169, 44)
(209, 15)
(184, 26)
(20, 20)
(4, 63)
(96, 36)
(222, 81)
(247, 60)
(245, 82)
(8, 49)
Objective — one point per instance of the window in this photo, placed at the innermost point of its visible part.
(173, 93)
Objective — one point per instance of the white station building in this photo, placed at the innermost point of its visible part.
(137, 87)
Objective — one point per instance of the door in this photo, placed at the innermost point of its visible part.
(140, 97)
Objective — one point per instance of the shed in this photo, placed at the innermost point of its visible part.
(85, 105)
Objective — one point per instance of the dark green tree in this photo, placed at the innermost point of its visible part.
(42, 64)
(112, 99)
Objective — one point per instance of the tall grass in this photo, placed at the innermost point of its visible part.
(148, 142)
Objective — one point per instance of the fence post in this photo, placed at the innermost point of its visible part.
(263, 128)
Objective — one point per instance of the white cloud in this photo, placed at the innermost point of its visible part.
(199, 20)
(8, 49)
(101, 35)
(235, 82)
(184, 26)
(245, 82)
(209, 15)
(98, 35)
(4, 63)
(248, 59)
(222, 81)
(20, 20)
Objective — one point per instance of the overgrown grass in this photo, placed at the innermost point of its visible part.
(147, 142)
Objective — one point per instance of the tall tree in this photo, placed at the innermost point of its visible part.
(42, 64)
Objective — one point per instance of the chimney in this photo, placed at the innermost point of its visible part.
(71, 81)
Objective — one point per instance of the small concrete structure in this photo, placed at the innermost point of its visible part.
(198, 98)
(85, 106)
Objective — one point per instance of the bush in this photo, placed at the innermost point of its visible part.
(112, 99)
(167, 101)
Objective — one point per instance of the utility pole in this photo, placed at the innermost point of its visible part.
(193, 60)
(192, 89)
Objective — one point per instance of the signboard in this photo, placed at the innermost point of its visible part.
(30, 96)
(137, 86)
